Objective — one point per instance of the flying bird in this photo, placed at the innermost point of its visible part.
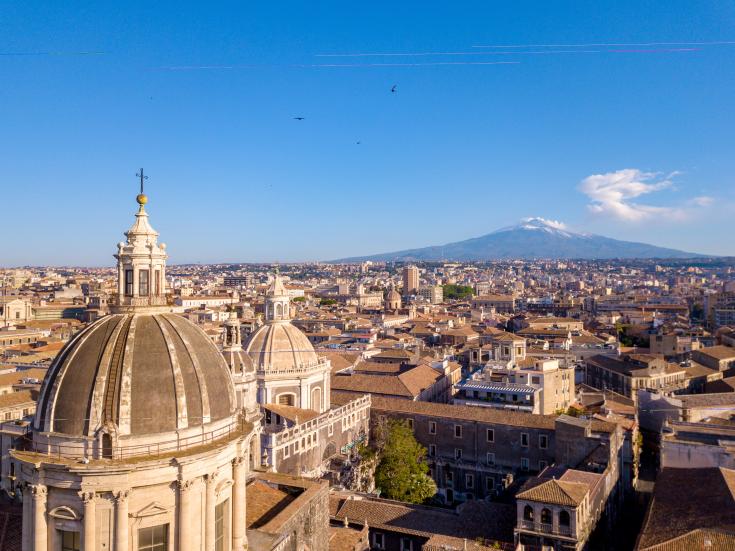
(299, 118)
(394, 88)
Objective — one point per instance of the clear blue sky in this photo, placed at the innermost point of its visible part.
(203, 96)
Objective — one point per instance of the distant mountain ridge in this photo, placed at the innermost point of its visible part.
(531, 238)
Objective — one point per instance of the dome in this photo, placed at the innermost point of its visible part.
(393, 295)
(141, 373)
(280, 346)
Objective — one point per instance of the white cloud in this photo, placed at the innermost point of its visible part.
(613, 193)
(702, 201)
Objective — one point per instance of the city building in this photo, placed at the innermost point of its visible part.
(410, 280)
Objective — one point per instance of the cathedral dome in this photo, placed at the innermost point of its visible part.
(137, 374)
(393, 295)
(281, 346)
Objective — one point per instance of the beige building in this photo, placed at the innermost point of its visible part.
(14, 310)
(410, 280)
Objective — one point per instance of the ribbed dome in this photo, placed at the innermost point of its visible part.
(393, 295)
(280, 346)
(142, 373)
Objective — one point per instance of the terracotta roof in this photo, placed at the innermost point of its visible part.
(718, 352)
(479, 520)
(473, 413)
(16, 398)
(689, 499)
(708, 540)
(408, 384)
(555, 492)
(14, 378)
(343, 538)
(264, 502)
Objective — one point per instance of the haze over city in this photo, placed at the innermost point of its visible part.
(299, 132)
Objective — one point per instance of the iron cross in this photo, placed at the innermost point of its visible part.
(142, 178)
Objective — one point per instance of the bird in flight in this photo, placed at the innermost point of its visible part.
(358, 143)
(299, 118)
(394, 88)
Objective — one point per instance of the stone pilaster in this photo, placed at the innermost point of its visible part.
(121, 520)
(211, 502)
(185, 520)
(89, 527)
(40, 526)
(239, 521)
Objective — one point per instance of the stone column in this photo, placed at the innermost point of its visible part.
(211, 480)
(239, 521)
(26, 543)
(40, 527)
(89, 527)
(186, 523)
(121, 520)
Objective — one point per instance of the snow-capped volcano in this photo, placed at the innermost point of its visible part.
(532, 238)
(539, 224)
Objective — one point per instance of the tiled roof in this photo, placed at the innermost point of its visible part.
(707, 540)
(555, 492)
(718, 352)
(473, 413)
(689, 499)
(478, 520)
(16, 398)
(408, 384)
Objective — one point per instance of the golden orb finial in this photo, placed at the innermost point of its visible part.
(142, 199)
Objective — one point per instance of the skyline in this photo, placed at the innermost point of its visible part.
(614, 121)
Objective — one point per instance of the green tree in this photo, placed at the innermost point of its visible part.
(327, 302)
(299, 299)
(458, 292)
(402, 472)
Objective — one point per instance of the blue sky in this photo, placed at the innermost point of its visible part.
(612, 117)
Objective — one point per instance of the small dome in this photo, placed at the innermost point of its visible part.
(143, 373)
(280, 346)
(393, 295)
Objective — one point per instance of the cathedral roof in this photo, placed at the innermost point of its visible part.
(141, 373)
(281, 346)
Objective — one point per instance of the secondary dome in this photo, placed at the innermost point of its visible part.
(279, 346)
(140, 373)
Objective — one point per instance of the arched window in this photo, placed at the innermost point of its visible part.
(286, 399)
(564, 518)
(545, 516)
(279, 311)
(528, 513)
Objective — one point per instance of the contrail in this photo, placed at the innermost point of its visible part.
(328, 65)
(613, 44)
(430, 64)
(26, 54)
(537, 52)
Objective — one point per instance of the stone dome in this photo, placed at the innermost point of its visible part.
(137, 374)
(393, 295)
(279, 346)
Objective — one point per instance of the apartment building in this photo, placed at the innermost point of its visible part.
(626, 374)
(540, 387)
(474, 452)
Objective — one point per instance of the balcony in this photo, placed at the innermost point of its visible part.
(543, 528)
